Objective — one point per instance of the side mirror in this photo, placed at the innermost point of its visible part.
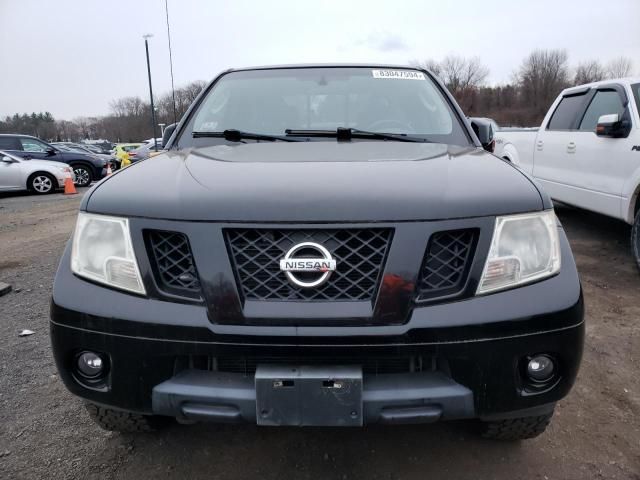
(612, 126)
(168, 131)
(484, 132)
(6, 159)
(51, 151)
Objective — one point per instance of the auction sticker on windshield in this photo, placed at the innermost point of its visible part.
(399, 74)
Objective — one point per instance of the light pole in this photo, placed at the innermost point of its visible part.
(173, 90)
(153, 110)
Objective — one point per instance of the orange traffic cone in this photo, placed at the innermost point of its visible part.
(69, 187)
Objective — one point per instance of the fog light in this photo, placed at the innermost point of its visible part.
(540, 368)
(90, 364)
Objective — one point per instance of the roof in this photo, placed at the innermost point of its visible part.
(625, 81)
(326, 65)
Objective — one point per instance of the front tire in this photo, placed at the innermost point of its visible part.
(83, 174)
(42, 183)
(123, 422)
(635, 239)
(512, 429)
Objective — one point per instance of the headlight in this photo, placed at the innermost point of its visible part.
(524, 248)
(65, 169)
(102, 252)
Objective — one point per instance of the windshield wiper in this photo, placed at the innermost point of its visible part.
(342, 133)
(233, 135)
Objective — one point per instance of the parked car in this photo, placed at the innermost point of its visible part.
(104, 146)
(86, 167)
(145, 151)
(78, 147)
(74, 147)
(94, 148)
(154, 140)
(586, 153)
(122, 151)
(38, 176)
(320, 245)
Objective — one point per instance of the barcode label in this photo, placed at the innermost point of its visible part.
(398, 74)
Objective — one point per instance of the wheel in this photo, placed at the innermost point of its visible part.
(124, 422)
(635, 239)
(516, 428)
(83, 175)
(42, 183)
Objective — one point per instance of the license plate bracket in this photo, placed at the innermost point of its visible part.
(309, 395)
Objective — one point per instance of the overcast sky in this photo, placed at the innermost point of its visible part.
(71, 57)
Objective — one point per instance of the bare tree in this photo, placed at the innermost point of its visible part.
(127, 107)
(590, 71)
(83, 126)
(184, 98)
(619, 67)
(460, 74)
(428, 64)
(541, 77)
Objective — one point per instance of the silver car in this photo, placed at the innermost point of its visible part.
(39, 176)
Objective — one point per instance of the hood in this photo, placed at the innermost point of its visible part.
(318, 181)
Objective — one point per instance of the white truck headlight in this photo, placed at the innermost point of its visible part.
(102, 252)
(524, 248)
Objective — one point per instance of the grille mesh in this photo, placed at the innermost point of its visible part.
(359, 255)
(446, 263)
(175, 269)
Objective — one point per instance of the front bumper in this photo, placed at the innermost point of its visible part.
(60, 180)
(164, 355)
(479, 379)
(399, 398)
(469, 379)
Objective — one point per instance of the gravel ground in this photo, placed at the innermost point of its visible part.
(45, 432)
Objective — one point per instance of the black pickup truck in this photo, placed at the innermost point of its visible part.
(320, 245)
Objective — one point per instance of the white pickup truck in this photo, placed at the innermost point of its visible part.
(586, 153)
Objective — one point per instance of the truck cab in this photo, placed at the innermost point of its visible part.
(582, 163)
(586, 153)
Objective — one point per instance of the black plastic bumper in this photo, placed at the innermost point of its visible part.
(402, 398)
(145, 368)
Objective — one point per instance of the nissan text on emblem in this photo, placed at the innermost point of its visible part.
(311, 259)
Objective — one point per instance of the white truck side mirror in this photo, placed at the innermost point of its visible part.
(611, 126)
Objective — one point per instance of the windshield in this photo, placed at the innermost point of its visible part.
(400, 101)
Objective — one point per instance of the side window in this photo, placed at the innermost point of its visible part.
(604, 102)
(636, 94)
(566, 112)
(32, 145)
(9, 143)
